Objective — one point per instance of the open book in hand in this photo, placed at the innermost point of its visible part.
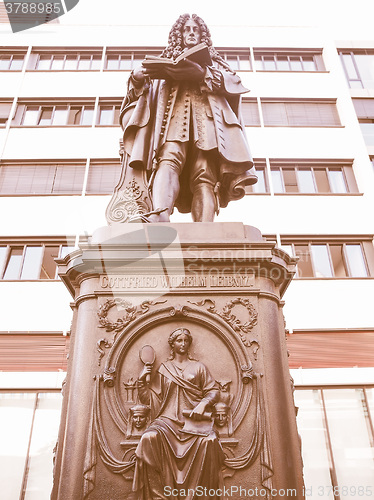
(199, 54)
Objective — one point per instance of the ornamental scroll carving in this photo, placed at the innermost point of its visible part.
(131, 312)
(240, 327)
(123, 396)
(128, 204)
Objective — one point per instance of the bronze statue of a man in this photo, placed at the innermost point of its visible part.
(182, 124)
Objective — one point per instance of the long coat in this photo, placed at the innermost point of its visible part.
(206, 113)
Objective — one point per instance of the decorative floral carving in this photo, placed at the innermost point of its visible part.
(237, 325)
(127, 203)
(131, 312)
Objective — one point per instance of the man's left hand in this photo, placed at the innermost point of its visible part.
(186, 70)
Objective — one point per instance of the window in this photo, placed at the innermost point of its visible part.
(250, 113)
(306, 113)
(11, 62)
(335, 259)
(238, 60)
(76, 61)
(266, 60)
(336, 430)
(103, 177)
(58, 115)
(313, 179)
(359, 68)
(117, 59)
(109, 112)
(5, 107)
(262, 184)
(41, 178)
(31, 261)
(29, 423)
(365, 114)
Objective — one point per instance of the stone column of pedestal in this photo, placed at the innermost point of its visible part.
(132, 286)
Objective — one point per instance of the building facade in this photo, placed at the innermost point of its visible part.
(310, 123)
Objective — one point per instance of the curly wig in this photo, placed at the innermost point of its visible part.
(175, 41)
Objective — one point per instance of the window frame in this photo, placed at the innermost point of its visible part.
(286, 116)
(261, 53)
(344, 165)
(365, 242)
(12, 53)
(115, 103)
(56, 105)
(55, 189)
(34, 242)
(130, 55)
(352, 53)
(94, 53)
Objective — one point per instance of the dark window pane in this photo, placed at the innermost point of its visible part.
(3, 254)
(337, 257)
(323, 185)
(48, 270)
(75, 115)
(45, 116)
(304, 265)
(289, 179)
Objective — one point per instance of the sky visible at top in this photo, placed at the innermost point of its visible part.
(344, 19)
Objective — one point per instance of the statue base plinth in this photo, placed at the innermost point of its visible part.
(134, 284)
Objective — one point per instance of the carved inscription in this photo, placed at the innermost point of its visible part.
(159, 281)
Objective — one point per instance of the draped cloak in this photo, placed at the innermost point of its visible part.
(182, 461)
(206, 114)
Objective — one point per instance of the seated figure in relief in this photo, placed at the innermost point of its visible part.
(169, 457)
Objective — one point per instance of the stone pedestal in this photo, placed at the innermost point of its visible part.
(132, 286)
